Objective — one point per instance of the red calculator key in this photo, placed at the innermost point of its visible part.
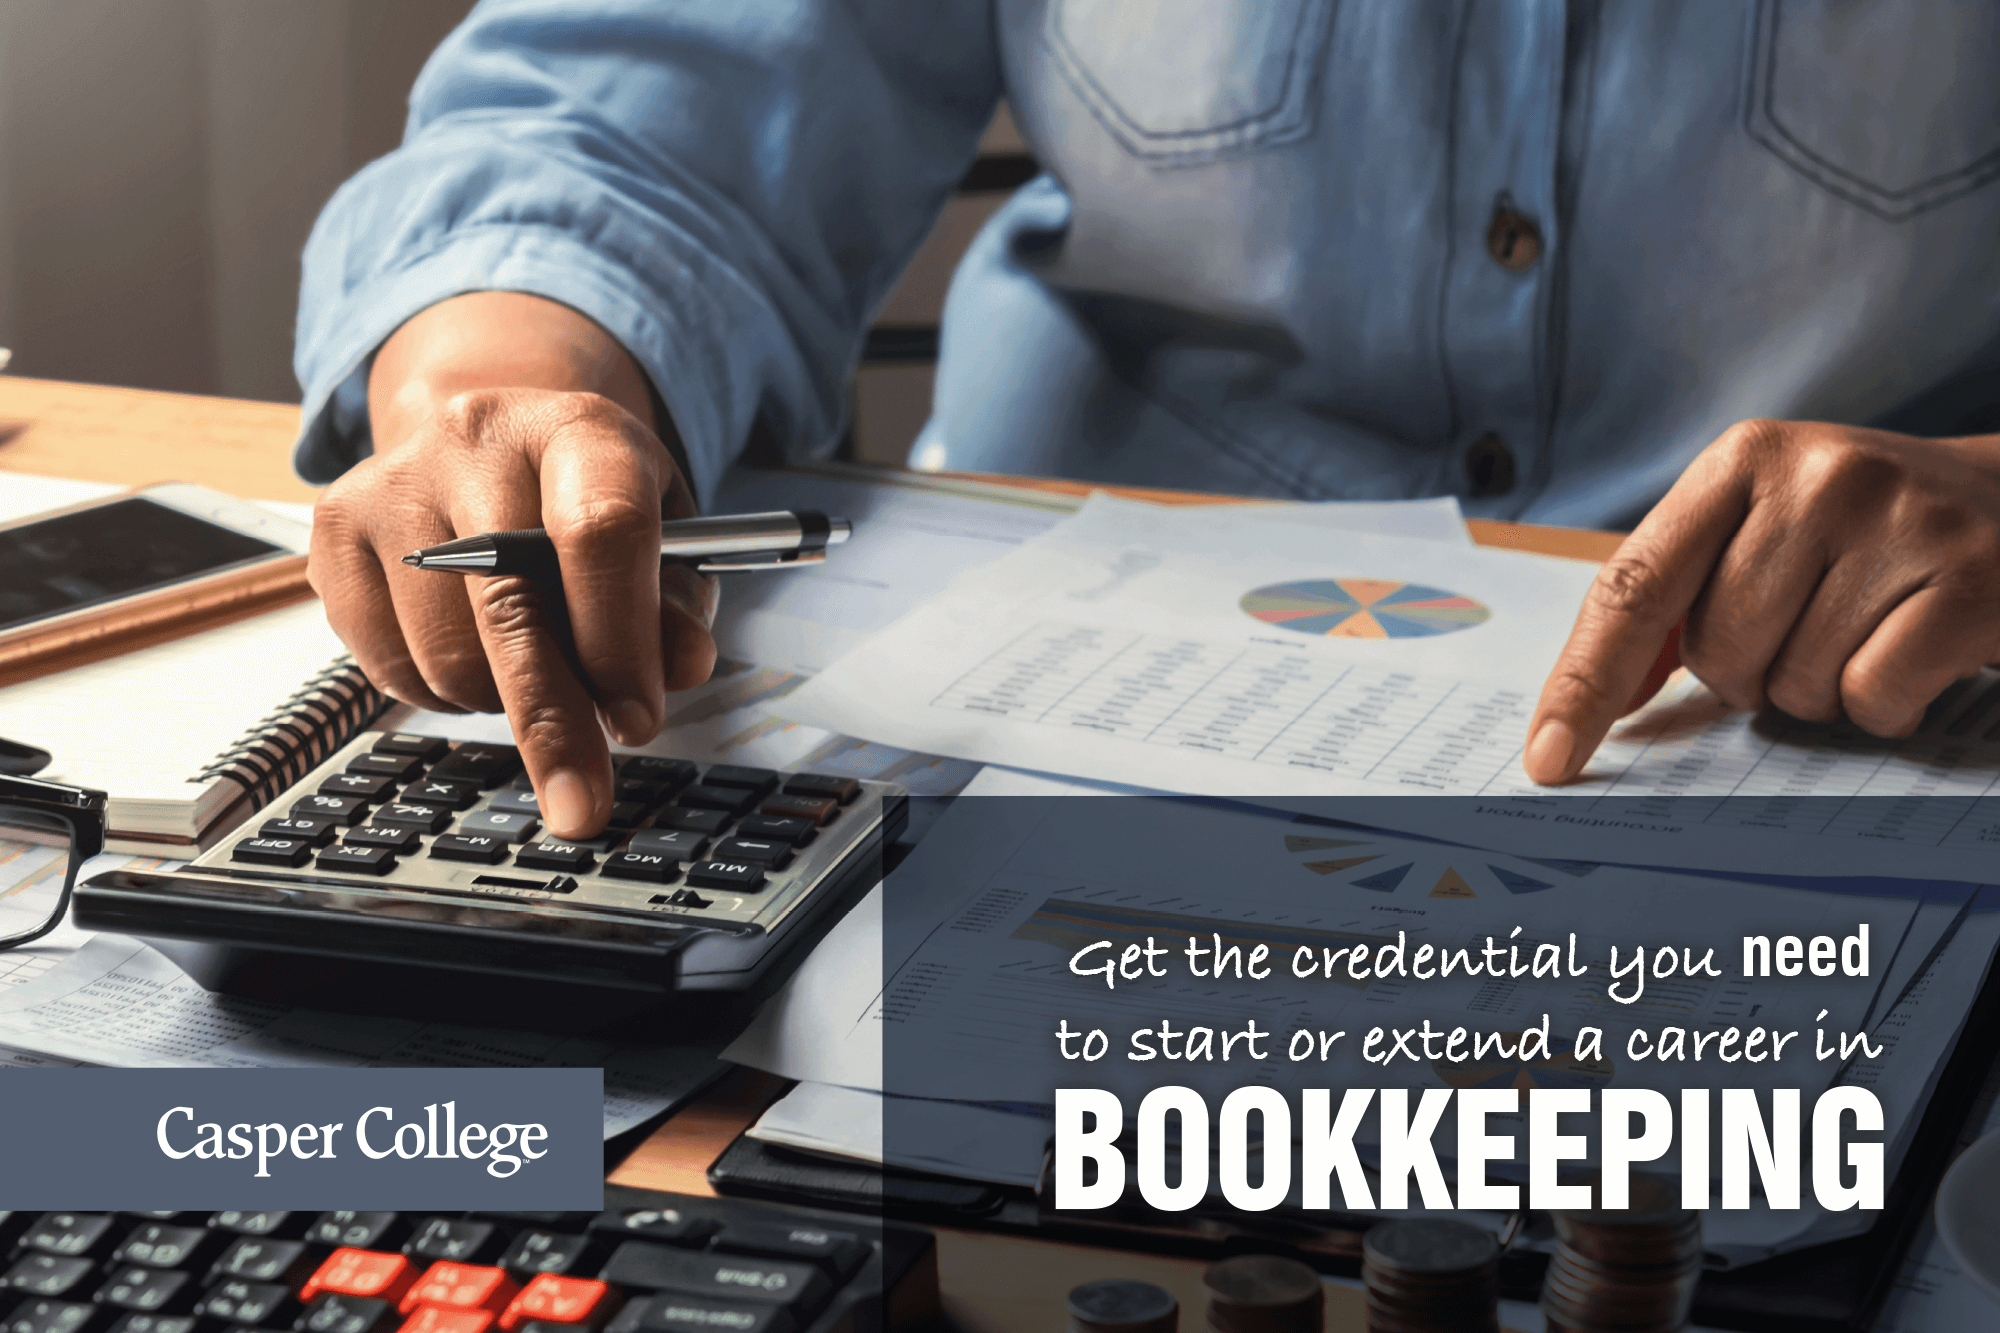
(561, 1300)
(363, 1273)
(449, 1286)
(433, 1319)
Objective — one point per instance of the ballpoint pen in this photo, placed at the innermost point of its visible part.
(721, 544)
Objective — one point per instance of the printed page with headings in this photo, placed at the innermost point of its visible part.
(1213, 653)
(1219, 652)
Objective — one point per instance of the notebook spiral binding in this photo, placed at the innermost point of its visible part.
(289, 742)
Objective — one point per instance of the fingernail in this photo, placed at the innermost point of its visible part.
(1551, 750)
(632, 722)
(566, 803)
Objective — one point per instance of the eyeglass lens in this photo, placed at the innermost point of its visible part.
(34, 871)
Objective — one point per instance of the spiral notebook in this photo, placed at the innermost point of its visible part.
(181, 733)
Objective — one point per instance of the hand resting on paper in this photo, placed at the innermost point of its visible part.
(494, 411)
(1823, 570)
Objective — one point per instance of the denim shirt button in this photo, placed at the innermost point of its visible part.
(1489, 466)
(1513, 239)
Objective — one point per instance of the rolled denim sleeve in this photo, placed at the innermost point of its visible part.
(729, 187)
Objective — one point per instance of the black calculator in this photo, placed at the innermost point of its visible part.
(411, 874)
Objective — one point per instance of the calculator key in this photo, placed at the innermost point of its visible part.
(403, 840)
(451, 795)
(515, 803)
(537, 1252)
(675, 1226)
(837, 1253)
(657, 768)
(147, 1323)
(395, 767)
(698, 1314)
(481, 765)
(339, 809)
(482, 848)
(431, 1319)
(266, 1222)
(247, 1303)
(352, 1272)
(318, 832)
(693, 821)
(368, 786)
(358, 1230)
(455, 1286)
(357, 860)
(679, 844)
(455, 1239)
(510, 828)
(778, 828)
(639, 792)
(412, 815)
(158, 1245)
(730, 800)
(272, 851)
(741, 876)
(49, 1317)
(799, 1287)
(348, 1314)
(651, 867)
(573, 1302)
(548, 855)
(49, 1275)
(818, 809)
(71, 1234)
(429, 749)
(842, 790)
(146, 1290)
(759, 780)
(261, 1259)
(763, 851)
(625, 814)
(679, 898)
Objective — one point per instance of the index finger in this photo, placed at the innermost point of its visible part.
(1639, 596)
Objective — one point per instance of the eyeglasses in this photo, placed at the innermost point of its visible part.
(47, 832)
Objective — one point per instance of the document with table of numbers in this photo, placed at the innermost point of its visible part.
(1218, 654)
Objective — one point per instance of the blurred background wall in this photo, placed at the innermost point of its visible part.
(161, 162)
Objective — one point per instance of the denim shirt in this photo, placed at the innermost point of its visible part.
(1533, 254)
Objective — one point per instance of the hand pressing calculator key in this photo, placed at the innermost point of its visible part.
(412, 874)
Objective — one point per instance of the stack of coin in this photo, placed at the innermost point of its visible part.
(1262, 1293)
(1624, 1272)
(1431, 1275)
(1122, 1305)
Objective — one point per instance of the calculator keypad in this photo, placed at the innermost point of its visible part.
(406, 812)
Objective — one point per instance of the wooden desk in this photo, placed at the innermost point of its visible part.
(133, 437)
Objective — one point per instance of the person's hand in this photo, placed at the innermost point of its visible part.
(452, 461)
(1819, 569)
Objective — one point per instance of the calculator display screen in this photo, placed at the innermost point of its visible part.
(109, 551)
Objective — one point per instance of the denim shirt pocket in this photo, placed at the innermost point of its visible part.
(1179, 82)
(1891, 106)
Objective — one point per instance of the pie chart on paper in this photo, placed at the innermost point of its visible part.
(1363, 608)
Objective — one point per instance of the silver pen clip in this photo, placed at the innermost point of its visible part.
(749, 560)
